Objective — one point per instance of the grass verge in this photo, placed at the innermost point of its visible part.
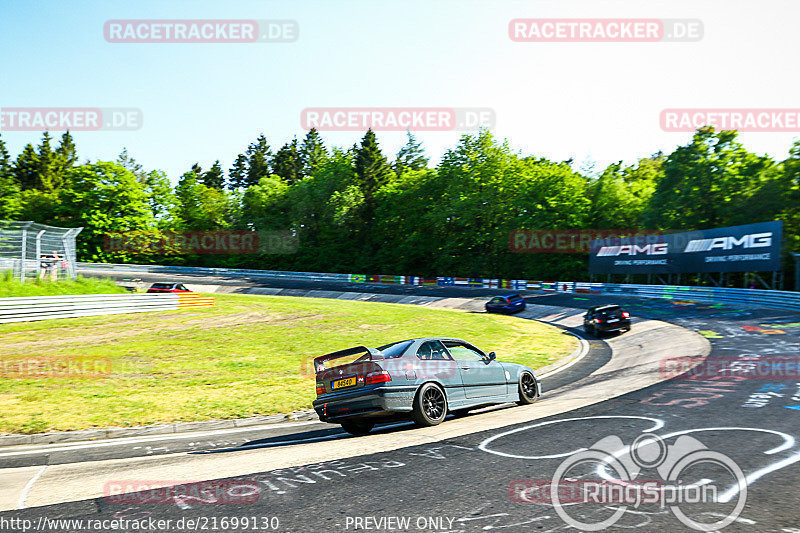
(11, 287)
(246, 356)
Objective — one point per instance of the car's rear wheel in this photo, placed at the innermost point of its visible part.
(430, 405)
(357, 427)
(528, 391)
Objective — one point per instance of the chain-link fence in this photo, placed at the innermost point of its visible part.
(30, 250)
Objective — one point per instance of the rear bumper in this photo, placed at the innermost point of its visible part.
(376, 402)
(616, 326)
(504, 309)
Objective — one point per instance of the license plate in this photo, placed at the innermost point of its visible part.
(342, 383)
(613, 320)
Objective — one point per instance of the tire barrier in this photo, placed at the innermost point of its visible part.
(763, 298)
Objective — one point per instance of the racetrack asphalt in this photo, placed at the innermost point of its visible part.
(471, 482)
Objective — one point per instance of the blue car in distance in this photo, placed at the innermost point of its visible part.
(510, 303)
(419, 379)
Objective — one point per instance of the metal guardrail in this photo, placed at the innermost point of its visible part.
(30, 308)
(763, 298)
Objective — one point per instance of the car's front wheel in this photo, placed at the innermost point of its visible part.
(528, 391)
(430, 405)
(357, 427)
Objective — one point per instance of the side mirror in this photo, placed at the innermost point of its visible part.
(492, 356)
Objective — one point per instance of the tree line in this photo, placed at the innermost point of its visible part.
(356, 210)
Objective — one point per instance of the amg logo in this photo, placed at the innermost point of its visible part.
(755, 240)
(633, 249)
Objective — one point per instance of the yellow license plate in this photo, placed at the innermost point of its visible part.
(342, 383)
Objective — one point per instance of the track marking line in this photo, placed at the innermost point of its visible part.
(28, 487)
(657, 424)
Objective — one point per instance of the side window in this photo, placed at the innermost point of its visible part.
(463, 353)
(181, 287)
(433, 351)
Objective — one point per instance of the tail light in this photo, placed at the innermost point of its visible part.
(599, 320)
(320, 388)
(377, 377)
(626, 314)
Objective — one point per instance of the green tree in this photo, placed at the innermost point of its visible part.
(411, 156)
(127, 161)
(161, 199)
(214, 177)
(9, 187)
(259, 158)
(66, 154)
(238, 173)
(620, 195)
(288, 163)
(372, 171)
(160, 196)
(265, 204)
(199, 207)
(47, 176)
(313, 153)
(710, 182)
(104, 198)
(26, 168)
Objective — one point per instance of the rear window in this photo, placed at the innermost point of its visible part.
(515, 298)
(395, 349)
(609, 310)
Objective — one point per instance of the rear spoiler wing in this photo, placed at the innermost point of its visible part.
(319, 362)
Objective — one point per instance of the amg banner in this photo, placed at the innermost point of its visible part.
(748, 248)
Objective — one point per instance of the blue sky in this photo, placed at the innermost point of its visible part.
(202, 102)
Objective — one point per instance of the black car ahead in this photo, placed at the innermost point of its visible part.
(509, 303)
(606, 318)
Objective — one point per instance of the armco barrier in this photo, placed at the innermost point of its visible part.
(31, 308)
(774, 299)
